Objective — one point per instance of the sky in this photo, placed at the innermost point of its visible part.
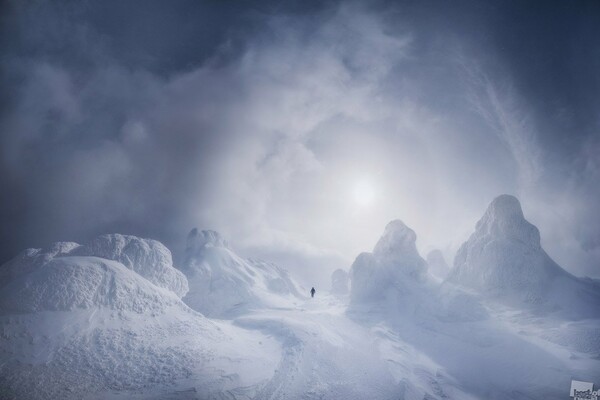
(298, 129)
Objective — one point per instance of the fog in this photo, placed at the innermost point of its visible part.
(261, 120)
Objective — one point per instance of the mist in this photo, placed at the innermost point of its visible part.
(259, 120)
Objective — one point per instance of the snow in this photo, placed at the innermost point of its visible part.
(437, 264)
(80, 326)
(107, 320)
(68, 283)
(504, 259)
(398, 246)
(149, 258)
(223, 284)
(393, 270)
(498, 333)
(339, 282)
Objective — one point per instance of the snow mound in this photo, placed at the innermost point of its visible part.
(224, 284)
(115, 271)
(437, 264)
(149, 258)
(31, 259)
(339, 282)
(394, 269)
(83, 326)
(67, 283)
(504, 259)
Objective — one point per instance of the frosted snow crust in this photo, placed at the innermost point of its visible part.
(149, 258)
(115, 271)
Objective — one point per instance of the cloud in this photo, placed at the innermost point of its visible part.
(497, 102)
(260, 126)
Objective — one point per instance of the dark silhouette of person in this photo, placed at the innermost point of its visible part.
(312, 292)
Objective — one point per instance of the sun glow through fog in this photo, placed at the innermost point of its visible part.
(363, 193)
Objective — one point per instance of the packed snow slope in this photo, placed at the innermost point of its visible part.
(223, 284)
(80, 321)
(504, 259)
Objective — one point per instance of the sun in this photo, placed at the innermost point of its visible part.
(363, 193)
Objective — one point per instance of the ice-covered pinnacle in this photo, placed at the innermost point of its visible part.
(503, 256)
(504, 219)
(398, 242)
(197, 240)
(394, 267)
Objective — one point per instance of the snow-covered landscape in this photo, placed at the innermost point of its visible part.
(114, 318)
(299, 200)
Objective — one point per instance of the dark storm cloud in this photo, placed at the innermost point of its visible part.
(252, 118)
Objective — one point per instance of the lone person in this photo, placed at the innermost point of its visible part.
(312, 292)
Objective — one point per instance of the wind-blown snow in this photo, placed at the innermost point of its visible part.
(224, 284)
(339, 282)
(437, 264)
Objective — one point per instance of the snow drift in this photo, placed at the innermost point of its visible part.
(223, 284)
(503, 259)
(79, 321)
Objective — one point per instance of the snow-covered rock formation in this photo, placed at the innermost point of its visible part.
(394, 270)
(78, 321)
(223, 284)
(504, 259)
(437, 264)
(339, 282)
